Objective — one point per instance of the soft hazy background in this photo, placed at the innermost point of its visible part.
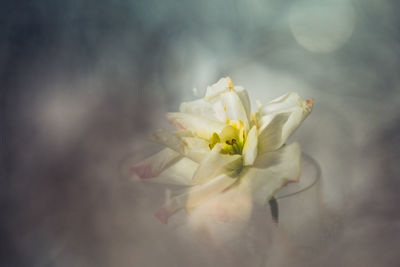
(83, 82)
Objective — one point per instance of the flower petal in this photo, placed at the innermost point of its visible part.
(211, 106)
(272, 171)
(180, 173)
(195, 148)
(216, 163)
(172, 140)
(250, 147)
(154, 165)
(193, 196)
(196, 124)
(200, 107)
(270, 135)
(284, 102)
(279, 119)
(233, 207)
(219, 111)
(222, 85)
(244, 98)
(192, 147)
(234, 108)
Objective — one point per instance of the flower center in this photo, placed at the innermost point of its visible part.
(231, 138)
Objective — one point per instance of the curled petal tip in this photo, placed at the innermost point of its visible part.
(230, 82)
(162, 215)
(143, 171)
(294, 180)
(310, 102)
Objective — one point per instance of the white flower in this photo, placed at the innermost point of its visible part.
(220, 146)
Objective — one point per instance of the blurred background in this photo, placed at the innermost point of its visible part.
(84, 82)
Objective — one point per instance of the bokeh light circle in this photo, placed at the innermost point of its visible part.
(321, 26)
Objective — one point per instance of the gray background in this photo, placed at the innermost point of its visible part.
(84, 82)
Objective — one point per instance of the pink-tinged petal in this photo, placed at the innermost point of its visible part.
(154, 165)
(162, 215)
(144, 171)
(168, 209)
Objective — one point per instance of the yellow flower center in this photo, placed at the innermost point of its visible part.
(232, 138)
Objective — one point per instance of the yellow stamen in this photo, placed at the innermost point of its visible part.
(214, 140)
(232, 138)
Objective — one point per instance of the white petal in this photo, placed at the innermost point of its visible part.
(199, 107)
(232, 207)
(172, 140)
(250, 147)
(244, 98)
(154, 165)
(293, 122)
(270, 135)
(192, 147)
(214, 97)
(272, 171)
(180, 173)
(193, 196)
(216, 163)
(195, 148)
(219, 111)
(213, 187)
(279, 119)
(196, 124)
(222, 85)
(234, 107)
(284, 102)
